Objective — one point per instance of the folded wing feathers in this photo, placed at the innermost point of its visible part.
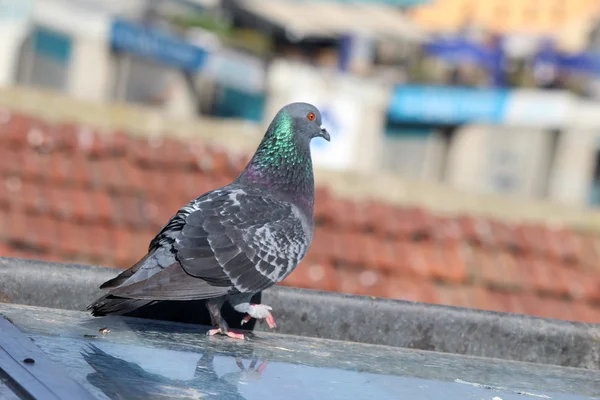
(231, 239)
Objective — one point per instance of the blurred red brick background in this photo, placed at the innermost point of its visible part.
(69, 193)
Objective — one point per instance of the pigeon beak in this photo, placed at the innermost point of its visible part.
(325, 134)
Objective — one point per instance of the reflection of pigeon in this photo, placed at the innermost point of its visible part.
(120, 379)
(236, 241)
(245, 375)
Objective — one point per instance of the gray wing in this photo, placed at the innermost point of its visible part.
(228, 241)
(257, 240)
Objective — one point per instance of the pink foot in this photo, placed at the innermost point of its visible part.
(228, 333)
(262, 313)
(235, 335)
(271, 321)
(261, 367)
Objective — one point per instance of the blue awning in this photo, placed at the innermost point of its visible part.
(446, 105)
(459, 50)
(156, 45)
(585, 62)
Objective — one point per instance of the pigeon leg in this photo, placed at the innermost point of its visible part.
(214, 308)
(261, 312)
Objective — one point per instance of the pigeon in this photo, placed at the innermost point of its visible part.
(233, 242)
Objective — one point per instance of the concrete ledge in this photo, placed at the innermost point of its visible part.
(337, 316)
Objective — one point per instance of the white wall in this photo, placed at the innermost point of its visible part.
(89, 68)
(11, 39)
(466, 157)
(570, 183)
(14, 25)
(500, 159)
(358, 107)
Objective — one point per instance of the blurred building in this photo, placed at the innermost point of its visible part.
(524, 143)
(414, 113)
(503, 101)
(567, 21)
(139, 52)
(421, 91)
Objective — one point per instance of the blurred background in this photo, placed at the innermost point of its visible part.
(464, 165)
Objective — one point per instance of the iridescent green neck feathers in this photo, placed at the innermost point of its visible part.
(282, 162)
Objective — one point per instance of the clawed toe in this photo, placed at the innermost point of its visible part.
(271, 321)
(229, 333)
(262, 313)
(235, 335)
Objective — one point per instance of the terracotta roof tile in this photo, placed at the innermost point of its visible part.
(512, 276)
(585, 313)
(9, 161)
(101, 241)
(103, 206)
(45, 234)
(447, 230)
(14, 130)
(411, 289)
(480, 297)
(569, 245)
(71, 193)
(418, 259)
(407, 223)
(18, 221)
(555, 308)
(71, 239)
(30, 196)
(361, 282)
(457, 296)
(454, 262)
(541, 275)
(437, 267)
(124, 253)
(5, 234)
(502, 235)
(83, 169)
(589, 252)
(468, 228)
(486, 267)
(581, 284)
(129, 209)
(322, 242)
(381, 253)
(155, 182)
(60, 169)
(313, 274)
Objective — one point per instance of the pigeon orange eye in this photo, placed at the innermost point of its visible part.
(311, 116)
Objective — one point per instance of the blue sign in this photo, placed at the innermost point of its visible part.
(585, 63)
(52, 44)
(461, 50)
(446, 105)
(156, 45)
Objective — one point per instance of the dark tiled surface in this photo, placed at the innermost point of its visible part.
(69, 193)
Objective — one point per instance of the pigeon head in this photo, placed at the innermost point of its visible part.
(282, 163)
(305, 120)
